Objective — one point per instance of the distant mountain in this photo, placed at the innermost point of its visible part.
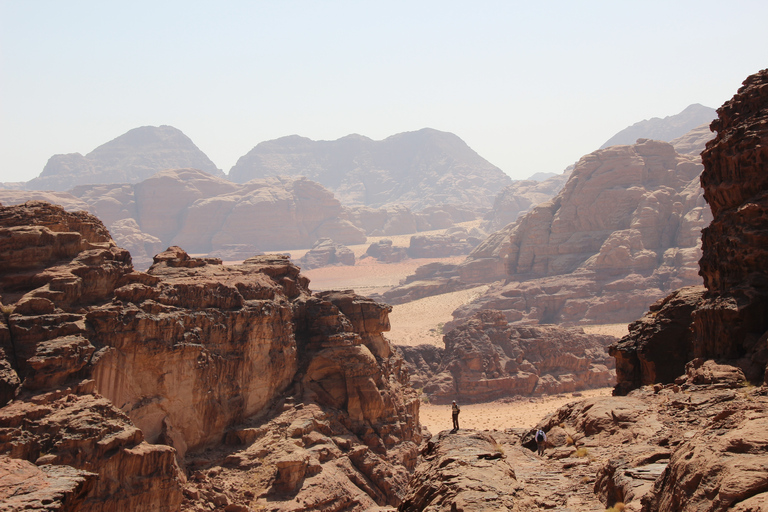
(418, 169)
(665, 129)
(130, 158)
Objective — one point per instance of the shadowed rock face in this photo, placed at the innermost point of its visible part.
(416, 169)
(130, 158)
(485, 358)
(98, 361)
(728, 320)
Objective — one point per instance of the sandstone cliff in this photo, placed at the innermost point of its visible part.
(130, 158)
(623, 232)
(210, 215)
(415, 169)
(727, 318)
(485, 358)
(122, 378)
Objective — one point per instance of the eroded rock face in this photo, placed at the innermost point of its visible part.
(520, 197)
(485, 358)
(206, 214)
(622, 233)
(728, 320)
(126, 374)
(56, 265)
(397, 219)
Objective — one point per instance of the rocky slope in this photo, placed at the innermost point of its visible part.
(122, 379)
(664, 129)
(415, 169)
(698, 445)
(485, 358)
(130, 158)
(727, 318)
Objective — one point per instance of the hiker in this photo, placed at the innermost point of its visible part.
(455, 413)
(541, 441)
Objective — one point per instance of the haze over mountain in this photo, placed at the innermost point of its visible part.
(664, 129)
(130, 158)
(418, 169)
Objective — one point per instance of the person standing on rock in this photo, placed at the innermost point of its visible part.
(455, 413)
(541, 441)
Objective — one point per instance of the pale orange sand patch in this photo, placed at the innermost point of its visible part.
(368, 275)
(421, 321)
(616, 330)
(522, 412)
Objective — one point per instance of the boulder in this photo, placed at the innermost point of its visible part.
(326, 252)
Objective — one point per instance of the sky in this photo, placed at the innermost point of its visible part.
(530, 86)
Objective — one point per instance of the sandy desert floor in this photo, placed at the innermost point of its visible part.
(421, 321)
(518, 412)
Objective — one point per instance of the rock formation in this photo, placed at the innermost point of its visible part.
(693, 142)
(415, 169)
(130, 158)
(210, 215)
(727, 319)
(623, 232)
(400, 220)
(121, 378)
(486, 358)
(665, 129)
(384, 251)
(520, 197)
(454, 242)
(326, 252)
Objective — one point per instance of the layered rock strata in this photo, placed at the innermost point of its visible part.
(727, 319)
(485, 358)
(125, 375)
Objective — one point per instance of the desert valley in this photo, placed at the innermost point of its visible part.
(290, 336)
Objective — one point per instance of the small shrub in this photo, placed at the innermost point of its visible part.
(568, 440)
(581, 452)
(6, 309)
(617, 507)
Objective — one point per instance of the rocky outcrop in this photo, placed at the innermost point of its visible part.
(452, 243)
(728, 319)
(665, 129)
(486, 358)
(463, 471)
(56, 265)
(326, 252)
(415, 169)
(520, 197)
(130, 158)
(400, 220)
(210, 215)
(128, 375)
(386, 252)
(622, 233)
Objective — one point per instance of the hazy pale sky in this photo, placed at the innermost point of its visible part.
(531, 86)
